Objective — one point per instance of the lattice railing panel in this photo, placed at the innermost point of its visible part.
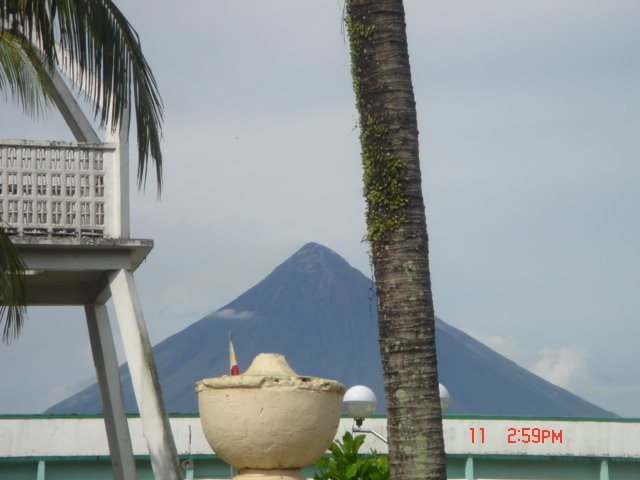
(59, 189)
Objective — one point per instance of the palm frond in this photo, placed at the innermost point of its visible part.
(104, 60)
(13, 301)
(23, 75)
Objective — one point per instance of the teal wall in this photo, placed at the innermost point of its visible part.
(458, 467)
(541, 468)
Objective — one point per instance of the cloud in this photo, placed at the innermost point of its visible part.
(231, 314)
(62, 392)
(505, 346)
(563, 366)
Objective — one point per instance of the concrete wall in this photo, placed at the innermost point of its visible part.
(52, 447)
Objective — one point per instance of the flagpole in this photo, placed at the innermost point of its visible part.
(231, 358)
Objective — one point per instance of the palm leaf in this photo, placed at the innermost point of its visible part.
(23, 75)
(12, 289)
(103, 58)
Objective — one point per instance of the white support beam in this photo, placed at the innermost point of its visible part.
(115, 417)
(144, 377)
(71, 112)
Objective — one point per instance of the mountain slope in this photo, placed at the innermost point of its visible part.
(320, 313)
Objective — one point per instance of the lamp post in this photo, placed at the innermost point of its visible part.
(360, 402)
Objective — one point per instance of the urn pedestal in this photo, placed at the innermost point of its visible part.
(269, 422)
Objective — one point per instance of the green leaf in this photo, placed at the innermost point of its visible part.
(352, 471)
(357, 443)
(23, 75)
(346, 463)
(13, 301)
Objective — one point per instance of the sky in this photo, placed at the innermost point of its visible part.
(529, 118)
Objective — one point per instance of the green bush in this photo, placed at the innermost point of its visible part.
(345, 463)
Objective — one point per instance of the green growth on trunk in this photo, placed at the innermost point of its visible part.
(359, 33)
(384, 176)
(384, 182)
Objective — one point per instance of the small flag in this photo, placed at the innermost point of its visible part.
(233, 361)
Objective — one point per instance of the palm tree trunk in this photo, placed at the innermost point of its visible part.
(396, 230)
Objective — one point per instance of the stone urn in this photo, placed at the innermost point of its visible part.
(269, 421)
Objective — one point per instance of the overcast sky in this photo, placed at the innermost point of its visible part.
(529, 118)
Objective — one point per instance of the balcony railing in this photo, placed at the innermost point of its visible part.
(58, 189)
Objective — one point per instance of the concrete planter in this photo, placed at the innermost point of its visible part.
(269, 422)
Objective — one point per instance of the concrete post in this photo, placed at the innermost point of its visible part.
(144, 377)
(115, 418)
(604, 470)
(41, 470)
(468, 469)
(119, 193)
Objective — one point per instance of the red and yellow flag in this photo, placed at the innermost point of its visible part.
(233, 361)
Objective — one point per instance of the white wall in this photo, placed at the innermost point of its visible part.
(41, 437)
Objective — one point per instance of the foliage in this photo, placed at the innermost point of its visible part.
(12, 289)
(346, 463)
(23, 75)
(384, 182)
(97, 48)
(358, 35)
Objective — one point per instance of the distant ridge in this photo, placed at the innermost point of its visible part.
(320, 313)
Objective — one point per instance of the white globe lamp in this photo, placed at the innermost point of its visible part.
(359, 402)
(444, 398)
